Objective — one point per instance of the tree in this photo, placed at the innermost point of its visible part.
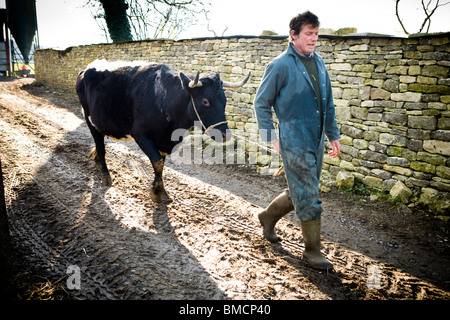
(117, 20)
(143, 19)
(428, 8)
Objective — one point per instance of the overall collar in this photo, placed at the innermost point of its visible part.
(294, 50)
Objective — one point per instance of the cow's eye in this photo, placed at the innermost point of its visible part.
(205, 102)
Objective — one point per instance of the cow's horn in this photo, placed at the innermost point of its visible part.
(234, 85)
(195, 83)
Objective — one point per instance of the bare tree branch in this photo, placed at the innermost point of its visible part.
(426, 10)
(398, 16)
(209, 28)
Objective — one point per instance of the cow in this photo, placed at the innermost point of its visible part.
(147, 103)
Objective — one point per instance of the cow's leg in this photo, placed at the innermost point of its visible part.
(99, 153)
(158, 192)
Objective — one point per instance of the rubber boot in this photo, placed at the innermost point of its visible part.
(276, 210)
(312, 254)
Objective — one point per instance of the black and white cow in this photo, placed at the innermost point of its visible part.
(146, 103)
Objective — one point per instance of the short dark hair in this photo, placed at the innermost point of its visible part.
(303, 19)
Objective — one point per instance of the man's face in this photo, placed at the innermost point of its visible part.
(306, 40)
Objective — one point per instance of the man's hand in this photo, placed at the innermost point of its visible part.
(336, 149)
(335, 145)
(276, 146)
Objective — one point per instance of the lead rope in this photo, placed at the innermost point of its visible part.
(198, 116)
(235, 135)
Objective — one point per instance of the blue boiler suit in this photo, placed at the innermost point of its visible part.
(287, 88)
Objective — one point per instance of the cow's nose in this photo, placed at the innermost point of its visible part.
(220, 135)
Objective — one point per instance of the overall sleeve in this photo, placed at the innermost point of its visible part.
(264, 101)
(331, 128)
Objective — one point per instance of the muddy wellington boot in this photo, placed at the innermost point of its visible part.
(276, 210)
(312, 254)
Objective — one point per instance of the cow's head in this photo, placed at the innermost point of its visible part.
(207, 105)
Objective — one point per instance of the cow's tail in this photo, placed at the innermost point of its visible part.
(79, 86)
(79, 83)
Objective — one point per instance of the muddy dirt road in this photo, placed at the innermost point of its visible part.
(206, 244)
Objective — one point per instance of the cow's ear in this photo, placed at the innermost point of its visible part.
(184, 80)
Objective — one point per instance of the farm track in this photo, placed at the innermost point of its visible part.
(207, 243)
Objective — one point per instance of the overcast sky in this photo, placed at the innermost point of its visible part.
(64, 23)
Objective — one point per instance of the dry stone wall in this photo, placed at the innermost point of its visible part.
(392, 98)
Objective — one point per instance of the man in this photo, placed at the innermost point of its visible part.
(297, 85)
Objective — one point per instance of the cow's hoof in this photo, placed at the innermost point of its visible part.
(166, 200)
(106, 180)
(160, 197)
